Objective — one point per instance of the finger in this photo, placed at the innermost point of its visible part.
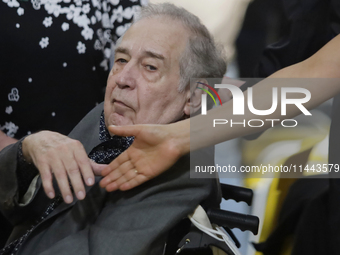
(84, 165)
(74, 175)
(123, 179)
(46, 178)
(60, 174)
(115, 164)
(117, 174)
(125, 130)
(134, 182)
(107, 180)
(97, 168)
(112, 187)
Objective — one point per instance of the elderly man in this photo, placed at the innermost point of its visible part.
(149, 83)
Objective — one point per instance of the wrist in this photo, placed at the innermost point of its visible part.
(25, 149)
(181, 135)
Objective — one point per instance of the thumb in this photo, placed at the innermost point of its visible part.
(97, 168)
(125, 130)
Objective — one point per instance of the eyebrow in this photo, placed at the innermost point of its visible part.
(154, 55)
(122, 50)
(147, 53)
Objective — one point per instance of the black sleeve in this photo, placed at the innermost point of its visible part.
(25, 173)
(310, 28)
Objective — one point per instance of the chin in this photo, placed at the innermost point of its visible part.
(118, 120)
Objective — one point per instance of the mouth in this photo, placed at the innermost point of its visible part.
(120, 103)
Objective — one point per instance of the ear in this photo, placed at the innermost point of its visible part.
(194, 96)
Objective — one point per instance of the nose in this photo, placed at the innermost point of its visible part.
(126, 78)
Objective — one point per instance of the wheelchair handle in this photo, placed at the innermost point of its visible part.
(234, 220)
(237, 193)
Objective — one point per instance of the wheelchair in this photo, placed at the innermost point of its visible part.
(187, 239)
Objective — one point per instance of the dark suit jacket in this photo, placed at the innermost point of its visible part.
(131, 222)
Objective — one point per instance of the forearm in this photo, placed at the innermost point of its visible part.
(324, 64)
(5, 140)
(202, 133)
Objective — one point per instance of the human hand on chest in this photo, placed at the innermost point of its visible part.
(63, 158)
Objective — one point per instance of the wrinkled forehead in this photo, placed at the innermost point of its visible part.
(158, 34)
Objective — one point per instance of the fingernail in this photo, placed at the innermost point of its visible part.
(68, 199)
(89, 181)
(50, 195)
(81, 195)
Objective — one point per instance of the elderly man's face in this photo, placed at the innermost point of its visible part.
(143, 84)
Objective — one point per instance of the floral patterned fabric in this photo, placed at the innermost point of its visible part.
(54, 60)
